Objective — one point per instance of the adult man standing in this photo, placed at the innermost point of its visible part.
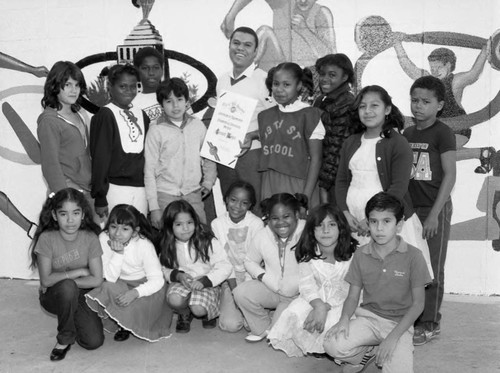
(247, 80)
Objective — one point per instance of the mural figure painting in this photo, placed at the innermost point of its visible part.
(302, 32)
(374, 35)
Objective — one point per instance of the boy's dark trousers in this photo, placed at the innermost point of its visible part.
(438, 246)
(75, 320)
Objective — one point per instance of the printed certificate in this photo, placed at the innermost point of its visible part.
(228, 128)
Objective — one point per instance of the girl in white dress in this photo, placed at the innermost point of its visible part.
(324, 254)
(377, 158)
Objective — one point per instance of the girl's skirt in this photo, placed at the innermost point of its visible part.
(148, 318)
(208, 298)
(275, 182)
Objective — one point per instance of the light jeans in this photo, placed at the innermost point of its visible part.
(369, 329)
(255, 300)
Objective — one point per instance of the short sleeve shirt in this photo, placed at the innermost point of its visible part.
(427, 172)
(68, 255)
(387, 283)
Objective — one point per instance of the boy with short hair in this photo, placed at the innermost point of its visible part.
(431, 183)
(174, 168)
(392, 275)
(149, 62)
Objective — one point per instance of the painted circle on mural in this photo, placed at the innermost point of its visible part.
(198, 105)
(373, 34)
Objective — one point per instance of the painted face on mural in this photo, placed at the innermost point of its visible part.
(425, 106)
(439, 69)
(285, 87)
(242, 50)
(330, 78)
(372, 112)
(150, 72)
(305, 5)
(175, 107)
(69, 93)
(123, 91)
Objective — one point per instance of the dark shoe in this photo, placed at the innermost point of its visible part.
(318, 355)
(425, 333)
(184, 323)
(208, 324)
(486, 160)
(122, 335)
(59, 353)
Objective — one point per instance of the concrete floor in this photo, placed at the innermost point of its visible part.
(469, 342)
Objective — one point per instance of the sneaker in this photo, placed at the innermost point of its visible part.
(208, 324)
(486, 160)
(184, 323)
(422, 335)
(357, 368)
(253, 338)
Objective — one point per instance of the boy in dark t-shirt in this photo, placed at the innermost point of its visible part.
(432, 180)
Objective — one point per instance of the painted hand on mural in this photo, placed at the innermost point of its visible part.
(11, 63)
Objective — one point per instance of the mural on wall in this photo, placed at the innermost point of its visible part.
(29, 142)
(301, 31)
(373, 35)
(144, 34)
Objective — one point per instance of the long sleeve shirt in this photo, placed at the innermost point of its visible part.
(138, 261)
(65, 156)
(173, 162)
(281, 273)
(217, 269)
(235, 238)
(394, 163)
(117, 149)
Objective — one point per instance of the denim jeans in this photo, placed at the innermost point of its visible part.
(75, 320)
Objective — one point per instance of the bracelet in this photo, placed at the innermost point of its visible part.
(66, 273)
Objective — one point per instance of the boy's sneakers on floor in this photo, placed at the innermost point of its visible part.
(184, 323)
(208, 324)
(425, 333)
(357, 368)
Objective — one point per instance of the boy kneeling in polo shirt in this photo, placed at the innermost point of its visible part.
(392, 275)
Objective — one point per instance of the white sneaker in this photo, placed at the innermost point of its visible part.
(252, 338)
(357, 368)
